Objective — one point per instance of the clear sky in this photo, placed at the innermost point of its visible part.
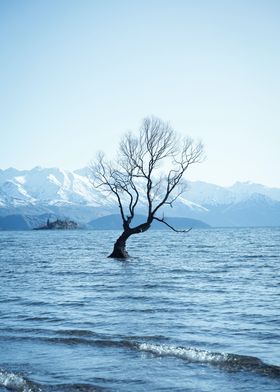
(76, 75)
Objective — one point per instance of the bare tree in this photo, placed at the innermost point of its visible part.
(134, 177)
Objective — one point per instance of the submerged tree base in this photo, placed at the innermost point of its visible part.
(119, 251)
(119, 254)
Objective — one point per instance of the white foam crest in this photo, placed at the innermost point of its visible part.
(15, 382)
(190, 354)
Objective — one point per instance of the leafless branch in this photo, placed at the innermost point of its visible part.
(171, 227)
(136, 173)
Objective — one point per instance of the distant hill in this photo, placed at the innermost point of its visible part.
(14, 222)
(24, 222)
(113, 222)
(108, 222)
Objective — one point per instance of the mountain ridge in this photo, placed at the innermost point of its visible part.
(70, 194)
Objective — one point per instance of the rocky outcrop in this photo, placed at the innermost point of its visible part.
(59, 225)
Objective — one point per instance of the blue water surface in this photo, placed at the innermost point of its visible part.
(187, 312)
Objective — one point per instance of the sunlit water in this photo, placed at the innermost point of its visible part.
(188, 312)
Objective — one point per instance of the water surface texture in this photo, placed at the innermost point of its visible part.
(188, 312)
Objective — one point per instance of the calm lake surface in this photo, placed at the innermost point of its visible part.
(188, 312)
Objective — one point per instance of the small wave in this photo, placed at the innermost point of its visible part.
(77, 332)
(51, 320)
(229, 362)
(103, 343)
(257, 256)
(16, 382)
(75, 388)
(39, 318)
(191, 354)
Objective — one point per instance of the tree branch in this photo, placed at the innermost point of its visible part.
(135, 175)
(171, 227)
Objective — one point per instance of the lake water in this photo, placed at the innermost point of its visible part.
(188, 312)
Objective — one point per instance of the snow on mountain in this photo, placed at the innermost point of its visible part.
(12, 193)
(47, 186)
(55, 186)
(205, 194)
(209, 194)
(191, 205)
(244, 190)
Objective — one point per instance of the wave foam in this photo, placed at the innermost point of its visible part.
(190, 354)
(230, 362)
(16, 382)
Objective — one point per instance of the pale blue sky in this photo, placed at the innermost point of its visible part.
(75, 75)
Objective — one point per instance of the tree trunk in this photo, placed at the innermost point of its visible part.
(119, 251)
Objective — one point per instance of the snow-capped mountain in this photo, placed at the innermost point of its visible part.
(71, 194)
(210, 194)
(53, 191)
(47, 186)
